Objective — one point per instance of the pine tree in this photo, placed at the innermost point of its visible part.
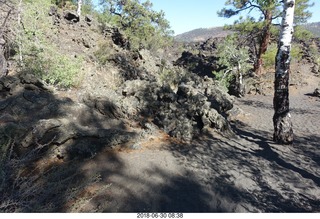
(261, 27)
(144, 27)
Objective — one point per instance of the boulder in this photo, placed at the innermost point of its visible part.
(53, 11)
(71, 16)
(198, 104)
(3, 61)
(116, 35)
(315, 69)
(3, 65)
(88, 18)
(197, 63)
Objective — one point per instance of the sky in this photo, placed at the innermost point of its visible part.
(186, 15)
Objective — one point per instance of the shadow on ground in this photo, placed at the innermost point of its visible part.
(84, 173)
(47, 144)
(249, 173)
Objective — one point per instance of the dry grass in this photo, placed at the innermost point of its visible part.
(38, 182)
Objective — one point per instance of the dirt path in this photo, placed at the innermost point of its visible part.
(216, 174)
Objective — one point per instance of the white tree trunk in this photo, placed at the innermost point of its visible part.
(286, 34)
(19, 32)
(282, 119)
(241, 87)
(79, 8)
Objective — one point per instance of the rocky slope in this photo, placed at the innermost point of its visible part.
(62, 150)
(203, 34)
(121, 105)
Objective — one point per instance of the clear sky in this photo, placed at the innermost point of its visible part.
(186, 15)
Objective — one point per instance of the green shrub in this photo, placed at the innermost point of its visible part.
(104, 52)
(315, 54)
(55, 69)
(224, 78)
(40, 56)
(296, 52)
(300, 33)
(144, 27)
(270, 56)
(235, 60)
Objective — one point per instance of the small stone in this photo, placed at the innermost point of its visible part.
(135, 147)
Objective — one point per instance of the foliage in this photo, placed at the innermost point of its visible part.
(269, 56)
(301, 14)
(40, 56)
(63, 3)
(257, 30)
(104, 52)
(237, 6)
(274, 6)
(300, 33)
(250, 32)
(87, 5)
(224, 78)
(167, 75)
(315, 53)
(144, 27)
(55, 68)
(235, 61)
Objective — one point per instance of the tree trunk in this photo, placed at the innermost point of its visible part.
(283, 132)
(264, 42)
(20, 32)
(241, 87)
(79, 8)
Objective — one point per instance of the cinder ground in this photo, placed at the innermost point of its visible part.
(248, 173)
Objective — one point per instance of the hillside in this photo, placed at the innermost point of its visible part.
(91, 121)
(313, 28)
(83, 92)
(202, 34)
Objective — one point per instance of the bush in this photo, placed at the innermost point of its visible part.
(234, 60)
(300, 33)
(104, 52)
(315, 54)
(37, 54)
(55, 68)
(224, 79)
(144, 27)
(270, 56)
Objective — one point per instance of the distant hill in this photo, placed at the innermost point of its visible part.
(313, 28)
(202, 34)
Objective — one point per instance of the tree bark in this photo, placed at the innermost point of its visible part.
(79, 8)
(283, 132)
(264, 42)
(19, 32)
